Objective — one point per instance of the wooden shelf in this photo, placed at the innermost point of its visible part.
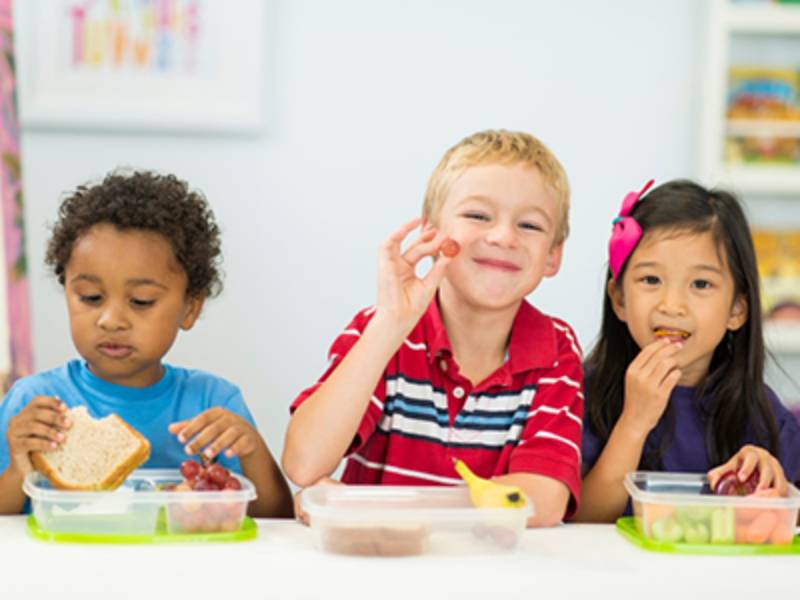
(782, 337)
(763, 18)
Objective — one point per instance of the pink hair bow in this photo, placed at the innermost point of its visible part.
(626, 232)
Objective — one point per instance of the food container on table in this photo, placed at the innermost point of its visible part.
(679, 508)
(134, 508)
(373, 520)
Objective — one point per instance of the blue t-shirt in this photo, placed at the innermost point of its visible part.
(687, 451)
(180, 394)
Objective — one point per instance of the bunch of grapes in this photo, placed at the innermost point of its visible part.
(201, 515)
(213, 478)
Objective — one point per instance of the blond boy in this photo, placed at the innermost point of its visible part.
(457, 364)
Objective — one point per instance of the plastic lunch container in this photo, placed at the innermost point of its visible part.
(679, 508)
(376, 520)
(133, 508)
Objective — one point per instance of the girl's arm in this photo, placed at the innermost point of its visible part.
(323, 426)
(649, 381)
(603, 496)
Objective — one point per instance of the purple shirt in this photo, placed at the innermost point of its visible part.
(687, 451)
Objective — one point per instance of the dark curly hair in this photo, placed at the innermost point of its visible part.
(149, 202)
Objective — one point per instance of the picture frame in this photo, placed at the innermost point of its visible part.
(164, 65)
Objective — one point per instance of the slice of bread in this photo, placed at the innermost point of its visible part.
(98, 454)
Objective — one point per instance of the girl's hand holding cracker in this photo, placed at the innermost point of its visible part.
(402, 295)
(39, 427)
(649, 381)
(217, 430)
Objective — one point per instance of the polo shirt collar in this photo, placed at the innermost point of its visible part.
(533, 339)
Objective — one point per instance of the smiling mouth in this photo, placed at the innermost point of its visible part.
(500, 265)
(675, 335)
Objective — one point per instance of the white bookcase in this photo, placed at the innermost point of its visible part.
(729, 23)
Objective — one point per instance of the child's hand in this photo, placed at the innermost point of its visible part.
(214, 431)
(745, 461)
(39, 427)
(298, 511)
(401, 294)
(649, 381)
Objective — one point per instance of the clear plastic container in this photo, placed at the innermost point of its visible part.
(679, 508)
(133, 508)
(371, 520)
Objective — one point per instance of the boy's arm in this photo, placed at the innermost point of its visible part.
(274, 498)
(549, 496)
(323, 426)
(331, 415)
(12, 498)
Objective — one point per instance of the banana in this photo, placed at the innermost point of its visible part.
(486, 493)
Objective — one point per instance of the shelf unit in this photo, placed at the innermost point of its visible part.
(727, 19)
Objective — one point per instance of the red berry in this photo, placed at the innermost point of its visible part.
(190, 469)
(450, 248)
(204, 485)
(233, 484)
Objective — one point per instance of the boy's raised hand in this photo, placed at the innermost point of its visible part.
(39, 427)
(216, 430)
(402, 295)
(649, 381)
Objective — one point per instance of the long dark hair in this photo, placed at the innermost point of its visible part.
(735, 380)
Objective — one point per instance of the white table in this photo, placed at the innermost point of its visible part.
(587, 561)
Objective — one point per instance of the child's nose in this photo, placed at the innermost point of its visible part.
(502, 234)
(672, 302)
(112, 318)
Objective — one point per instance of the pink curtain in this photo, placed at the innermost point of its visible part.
(13, 252)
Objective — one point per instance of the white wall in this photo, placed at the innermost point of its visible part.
(365, 97)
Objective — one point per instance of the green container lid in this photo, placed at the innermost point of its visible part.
(627, 527)
(248, 531)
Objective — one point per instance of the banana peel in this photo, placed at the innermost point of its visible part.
(486, 493)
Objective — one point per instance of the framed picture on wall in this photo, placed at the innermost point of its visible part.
(180, 65)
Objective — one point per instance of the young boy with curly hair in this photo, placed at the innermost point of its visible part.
(137, 255)
(457, 364)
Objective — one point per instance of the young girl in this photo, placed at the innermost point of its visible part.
(675, 382)
(137, 256)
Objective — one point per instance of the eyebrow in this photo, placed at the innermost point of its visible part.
(700, 267)
(131, 282)
(481, 198)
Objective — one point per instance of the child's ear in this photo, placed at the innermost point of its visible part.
(552, 262)
(738, 316)
(617, 299)
(193, 307)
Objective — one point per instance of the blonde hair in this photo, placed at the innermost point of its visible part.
(498, 146)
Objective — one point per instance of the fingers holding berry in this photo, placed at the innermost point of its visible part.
(215, 431)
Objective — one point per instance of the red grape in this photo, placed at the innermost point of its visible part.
(217, 474)
(233, 484)
(190, 469)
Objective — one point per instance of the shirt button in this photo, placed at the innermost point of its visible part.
(458, 392)
(443, 364)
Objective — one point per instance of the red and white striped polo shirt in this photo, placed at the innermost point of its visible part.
(525, 417)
